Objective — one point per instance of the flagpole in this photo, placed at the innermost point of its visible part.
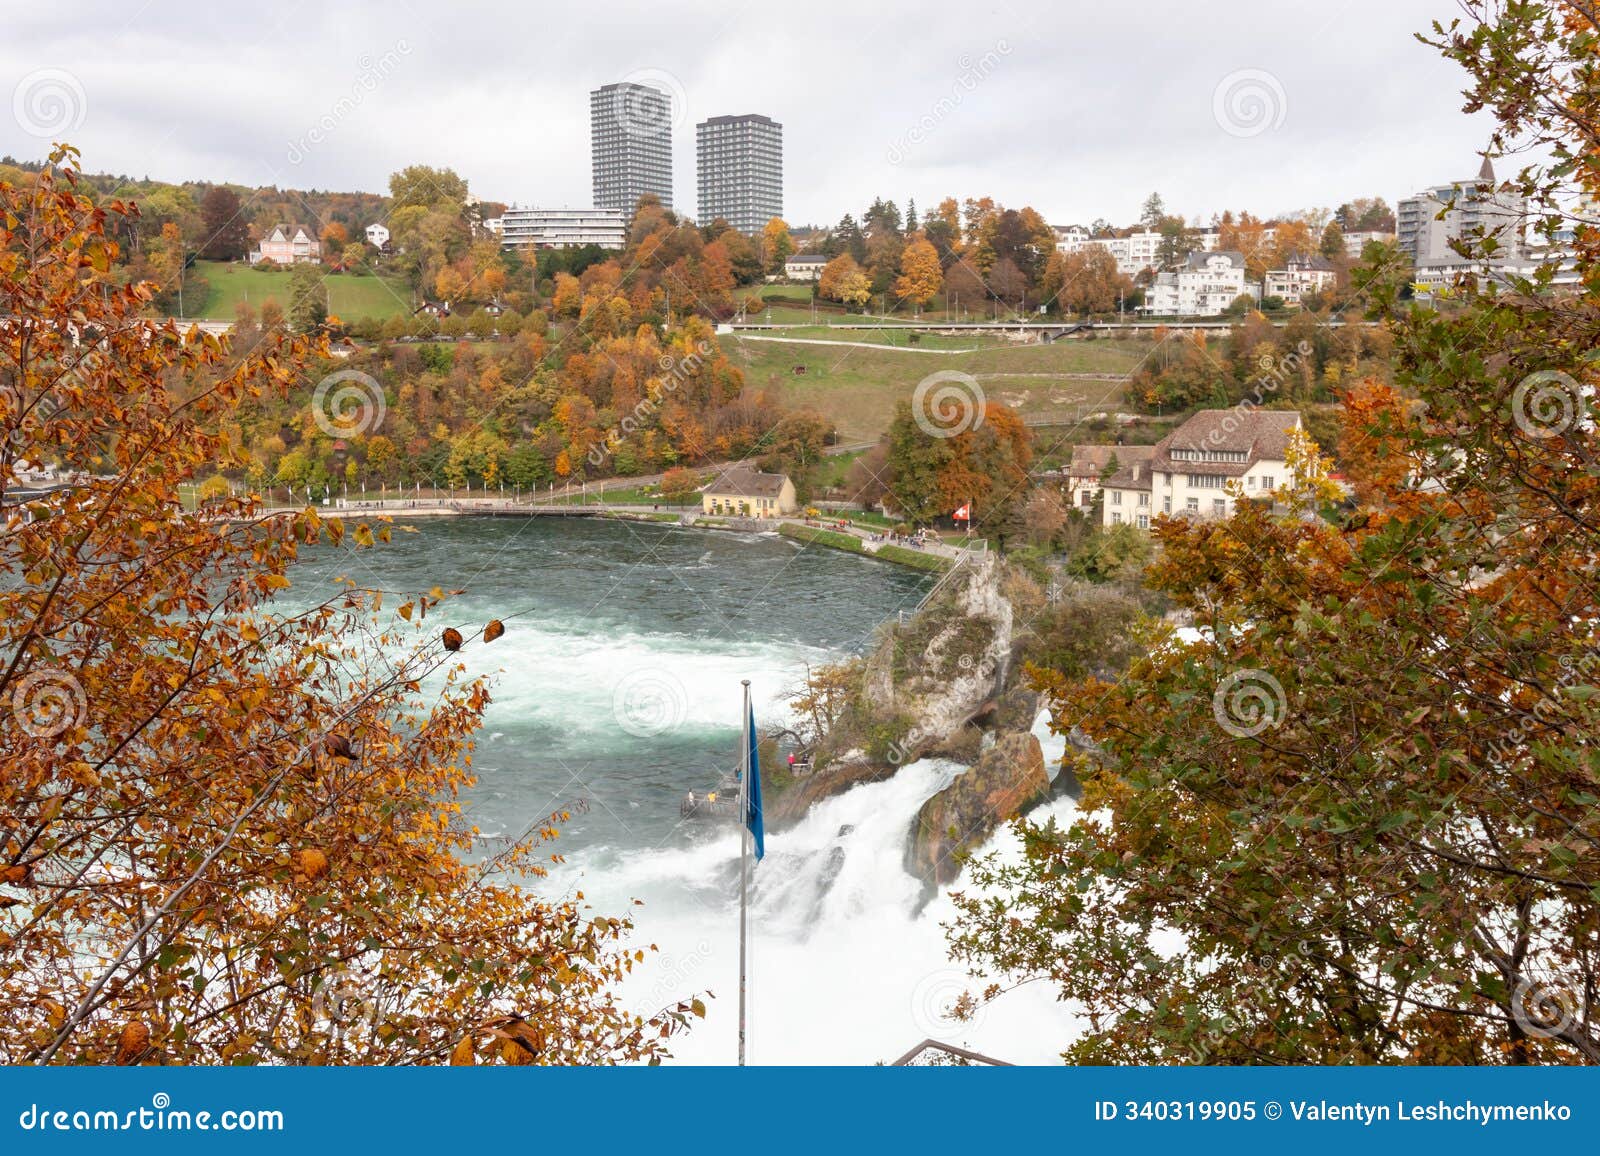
(744, 852)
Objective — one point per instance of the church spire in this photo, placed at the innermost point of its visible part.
(1486, 173)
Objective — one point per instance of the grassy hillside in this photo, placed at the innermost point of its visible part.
(349, 295)
(858, 387)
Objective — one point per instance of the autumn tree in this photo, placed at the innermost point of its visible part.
(776, 245)
(955, 450)
(1353, 820)
(920, 275)
(1087, 281)
(226, 231)
(830, 283)
(230, 831)
(855, 289)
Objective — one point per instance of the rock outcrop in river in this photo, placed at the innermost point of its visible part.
(938, 684)
(1008, 778)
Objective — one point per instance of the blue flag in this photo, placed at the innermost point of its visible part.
(752, 796)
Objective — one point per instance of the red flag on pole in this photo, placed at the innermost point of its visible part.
(964, 514)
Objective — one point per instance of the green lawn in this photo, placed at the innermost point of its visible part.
(814, 536)
(890, 334)
(790, 309)
(349, 295)
(858, 387)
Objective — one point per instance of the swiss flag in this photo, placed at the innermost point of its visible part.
(964, 514)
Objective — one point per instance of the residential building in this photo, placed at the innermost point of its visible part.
(740, 168)
(1204, 286)
(1071, 238)
(378, 235)
(288, 245)
(630, 139)
(746, 493)
(1091, 465)
(804, 266)
(1355, 242)
(1426, 225)
(1138, 251)
(1299, 277)
(1134, 253)
(1189, 471)
(562, 228)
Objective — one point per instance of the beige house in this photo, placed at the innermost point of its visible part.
(745, 493)
(1188, 471)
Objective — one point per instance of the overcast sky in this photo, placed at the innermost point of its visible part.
(1078, 109)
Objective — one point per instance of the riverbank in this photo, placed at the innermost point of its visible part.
(932, 558)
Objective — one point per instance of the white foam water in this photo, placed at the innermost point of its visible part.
(848, 960)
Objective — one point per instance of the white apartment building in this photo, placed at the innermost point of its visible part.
(1071, 238)
(1428, 223)
(377, 235)
(1204, 286)
(1311, 275)
(1355, 242)
(1134, 253)
(1189, 470)
(562, 228)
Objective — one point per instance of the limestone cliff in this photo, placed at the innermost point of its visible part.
(938, 683)
(921, 687)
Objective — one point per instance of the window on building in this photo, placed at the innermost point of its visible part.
(1116, 518)
(1086, 499)
(1219, 507)
(1144, 521)
(1116, 497)
(1144, 499)
(1166, 505)
(1194, 505)
(1266, 481)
